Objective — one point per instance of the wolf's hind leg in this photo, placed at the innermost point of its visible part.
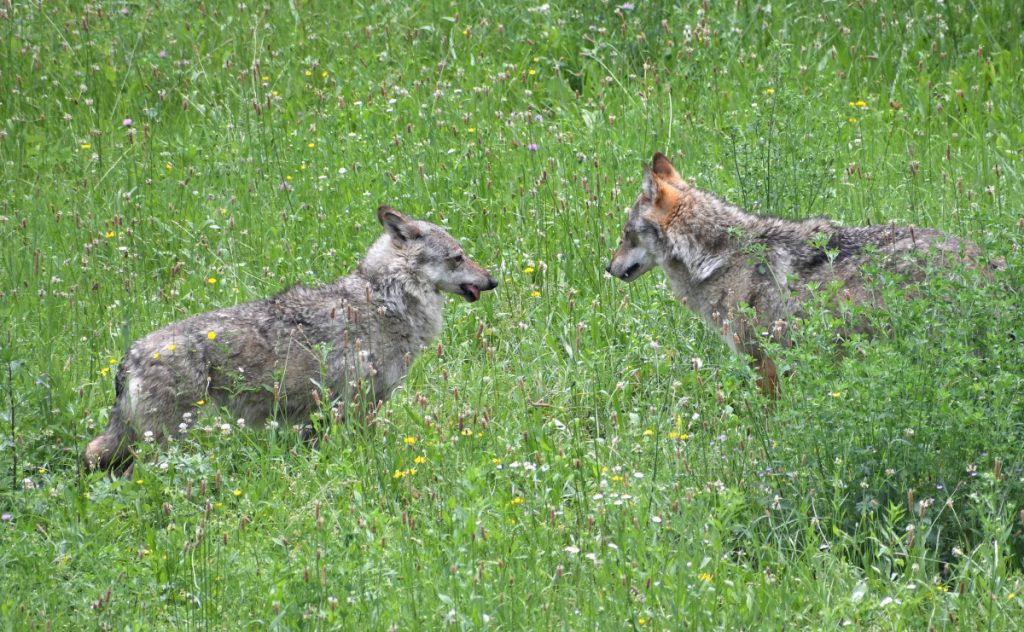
(112, 450)
(768, 381)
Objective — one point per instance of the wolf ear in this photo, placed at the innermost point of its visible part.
(661, 166)
(652, 185)
(397, 225)
(664, 197)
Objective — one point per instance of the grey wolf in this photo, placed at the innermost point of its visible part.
(718, 259)
(355, 337)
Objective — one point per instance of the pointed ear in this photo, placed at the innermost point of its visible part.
(661, 166)
(663, 196)
(652, 185)
(397, 225)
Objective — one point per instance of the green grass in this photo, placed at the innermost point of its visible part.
(577, 470)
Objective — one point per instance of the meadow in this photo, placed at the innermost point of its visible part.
(575, 452)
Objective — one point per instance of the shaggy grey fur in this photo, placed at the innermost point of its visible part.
(717, 257)
(356, 337)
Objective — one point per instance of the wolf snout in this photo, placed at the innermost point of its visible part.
(626, 274)
(471, 291)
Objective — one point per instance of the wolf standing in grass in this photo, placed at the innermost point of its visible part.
(718, 258)
(355, 337)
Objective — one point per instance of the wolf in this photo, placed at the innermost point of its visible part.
(355, 337)
(747, 275)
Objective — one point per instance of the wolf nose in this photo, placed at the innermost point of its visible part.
(491, 283)
(608, 268)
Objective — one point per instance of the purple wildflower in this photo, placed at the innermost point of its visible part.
(627, 6)
(532, 146)
(162, 54)
(127, 122)
(6, 516)
(124, 11)
(284, 186)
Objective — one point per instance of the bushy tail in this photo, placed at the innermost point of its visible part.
(112, 450)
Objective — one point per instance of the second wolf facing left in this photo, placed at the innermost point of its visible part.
(355, 338)
(718, 258)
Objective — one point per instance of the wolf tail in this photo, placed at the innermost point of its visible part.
(112, 450)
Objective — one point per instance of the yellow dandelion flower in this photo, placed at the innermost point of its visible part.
(466, 432)
(648, 433)
(273, 93)
(311, 145)
(1011, 596)
(536, 59)
(287, 177)
(212, 280)
(836, 394)
(211, 334)
(531, 72)
(200, 402)
(420, 460)
(535, 294)
(412, 471)
(770, 91)
(218, 505)
(302, 167)
(861, 104)
(156, 355)
(495, 460)
(309, 73)
(237, 492)
(528, 270)
(641, 621)
(264, 78)
(168, 166)
(42, 470)
(324, 74)
(705, 577)
(398, 474)
(105, 371)
(223, 211)
(518, 500)
(110, 234)
(471, 130)
(139, 482)
(112, 361)
(465, 32)
(684, 437)
(86, 146)
(616, 478)
(409, 440)
(172, 347)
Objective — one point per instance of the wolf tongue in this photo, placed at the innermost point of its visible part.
(474, 290)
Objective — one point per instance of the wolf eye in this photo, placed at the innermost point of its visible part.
(456, 260)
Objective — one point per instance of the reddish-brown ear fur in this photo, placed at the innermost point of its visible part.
(665, 198)
(661, 167)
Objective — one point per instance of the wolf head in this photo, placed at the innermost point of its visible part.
(428, 253)
(644, 241)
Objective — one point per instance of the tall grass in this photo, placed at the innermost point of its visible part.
(575, 453)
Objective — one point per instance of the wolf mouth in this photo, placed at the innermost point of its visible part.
(470, 292)
(630, 271)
